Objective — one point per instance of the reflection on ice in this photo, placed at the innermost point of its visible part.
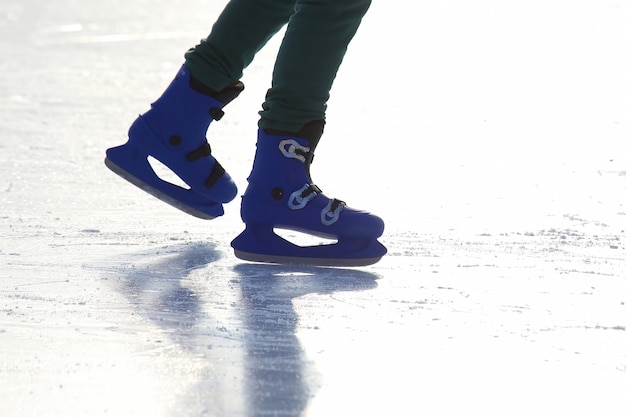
(239, 326)
(279, 379)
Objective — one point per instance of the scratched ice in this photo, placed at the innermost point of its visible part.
(489, 136)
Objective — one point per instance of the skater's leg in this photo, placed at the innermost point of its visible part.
(174, 130)
(280, 192)
(241, 30)
(310, 55)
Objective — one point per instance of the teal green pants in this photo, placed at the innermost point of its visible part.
(317, 36)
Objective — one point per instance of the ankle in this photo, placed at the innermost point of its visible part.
(225, 96)
(311, 131)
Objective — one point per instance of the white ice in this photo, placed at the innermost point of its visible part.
(490, 136)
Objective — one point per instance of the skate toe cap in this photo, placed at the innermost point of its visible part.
(358, 223)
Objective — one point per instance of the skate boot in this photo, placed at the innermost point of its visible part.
(173, 132)
(281, 195)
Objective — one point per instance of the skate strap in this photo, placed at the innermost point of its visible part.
(290, 148)
(217, 173)
(216, 113)
(335, 203)
(202, 151)
(301, 197)
(311, 189)
(330, 213)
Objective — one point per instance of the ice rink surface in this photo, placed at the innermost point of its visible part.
(489, 135)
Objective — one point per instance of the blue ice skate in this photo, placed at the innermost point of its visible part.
(281, 195)
(173, 132)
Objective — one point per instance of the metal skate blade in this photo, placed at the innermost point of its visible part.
(155, 192)
(295, 260)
